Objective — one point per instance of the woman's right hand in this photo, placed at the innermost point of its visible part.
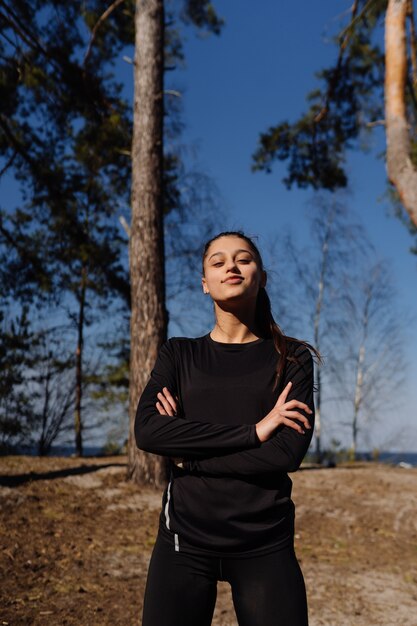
(283, 413)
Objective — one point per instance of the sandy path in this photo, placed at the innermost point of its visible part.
(77, 539)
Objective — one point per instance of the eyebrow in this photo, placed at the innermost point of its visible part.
(236, 252)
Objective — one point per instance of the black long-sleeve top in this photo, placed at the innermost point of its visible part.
(233, 495)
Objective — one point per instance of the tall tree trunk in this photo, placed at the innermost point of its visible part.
(360, 366)
(79, 366)
(317, 419)
(401, 171)
(147, 275)
(357, 402)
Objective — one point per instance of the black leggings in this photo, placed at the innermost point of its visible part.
(181, 588)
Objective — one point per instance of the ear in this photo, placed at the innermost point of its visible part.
(264, 278)
(204, 285)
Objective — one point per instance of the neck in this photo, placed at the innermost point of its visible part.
(233, 327)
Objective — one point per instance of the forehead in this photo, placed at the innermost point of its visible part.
(228, 244)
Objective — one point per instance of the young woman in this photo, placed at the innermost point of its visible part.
(234, 412)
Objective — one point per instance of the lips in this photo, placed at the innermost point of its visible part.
(233, 279)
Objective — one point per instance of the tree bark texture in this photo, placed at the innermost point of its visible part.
(148, 314)
(401, 171)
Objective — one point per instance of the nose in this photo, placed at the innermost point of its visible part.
(230, 265)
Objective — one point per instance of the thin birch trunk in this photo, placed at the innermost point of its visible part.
(358, 398)
(360, 364)
(317, 338)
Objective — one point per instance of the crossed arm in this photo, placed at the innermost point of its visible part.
(282, 448)
(169, 435)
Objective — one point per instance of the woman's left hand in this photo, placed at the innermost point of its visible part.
(167, 405)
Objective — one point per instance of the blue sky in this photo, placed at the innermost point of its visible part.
(254, 75)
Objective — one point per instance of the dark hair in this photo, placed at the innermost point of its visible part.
(263, 314)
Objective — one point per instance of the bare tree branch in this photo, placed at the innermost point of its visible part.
(12, 19)
(375, 123)
(344, 40)
(8, 164)
(97, 25)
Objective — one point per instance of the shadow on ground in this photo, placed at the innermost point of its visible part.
(16, 480)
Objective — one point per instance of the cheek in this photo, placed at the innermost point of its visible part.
(211, 280)
(254, 277)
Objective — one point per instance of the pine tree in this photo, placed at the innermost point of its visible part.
(350, 102)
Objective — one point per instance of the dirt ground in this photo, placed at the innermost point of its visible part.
(76, 541)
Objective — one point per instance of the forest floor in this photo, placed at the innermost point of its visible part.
(76, 540)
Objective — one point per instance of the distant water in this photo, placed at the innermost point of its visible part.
(69, 450)
(393, 458)
(390, 458)
(61, 451)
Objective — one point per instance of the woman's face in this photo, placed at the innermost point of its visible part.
(231, 271)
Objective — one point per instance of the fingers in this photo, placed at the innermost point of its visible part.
(168, 410)
(295, 415)
(283, 395)
(287, 416)
(292, 404)
(161, 409)
(167, 401)
(169, 397)
(288, 422)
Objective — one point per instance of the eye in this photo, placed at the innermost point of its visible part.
(217, 264)
(244, 260)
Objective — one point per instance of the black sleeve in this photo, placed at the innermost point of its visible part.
(285, 450)
(177, 436)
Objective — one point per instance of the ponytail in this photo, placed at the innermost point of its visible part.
(270, 329)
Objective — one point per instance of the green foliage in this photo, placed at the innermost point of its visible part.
(350, 96)
(347, 104)
(110, 382)
(65, 136)
(343, 110)
(15, 359)
(203, 15)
